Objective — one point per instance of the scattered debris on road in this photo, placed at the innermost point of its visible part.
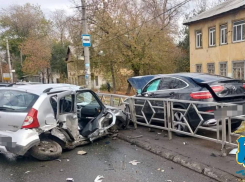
(185, 143)
(81, 152)
(27, 172)
(159, 169)
(69, 179)
(134, 162)
(68, 160)
(151, 130)
(213, 155)
(99, 178)
(62, 170)
(58, 160)
(233, 151)
(107, 142)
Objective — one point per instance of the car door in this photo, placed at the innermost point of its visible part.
(67, 112)
(147, 92)
(169, 88)
(90, 110)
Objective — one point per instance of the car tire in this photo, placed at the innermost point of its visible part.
(46, 150)
(177, 115)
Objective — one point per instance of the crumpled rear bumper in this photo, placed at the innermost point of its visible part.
(19, 142)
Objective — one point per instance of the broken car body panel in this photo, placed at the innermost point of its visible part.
(19, 142)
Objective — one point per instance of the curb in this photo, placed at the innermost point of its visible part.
(204, 169)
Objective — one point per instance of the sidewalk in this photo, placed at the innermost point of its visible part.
(199, 155)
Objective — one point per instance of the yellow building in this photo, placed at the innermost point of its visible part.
(217, 40)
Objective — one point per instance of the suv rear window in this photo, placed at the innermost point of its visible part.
(16, 101)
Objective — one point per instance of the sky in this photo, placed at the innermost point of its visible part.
(47, 6)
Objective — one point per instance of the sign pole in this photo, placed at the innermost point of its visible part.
(86, 48)
(9, 63)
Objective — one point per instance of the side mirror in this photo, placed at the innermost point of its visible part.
(139, 91)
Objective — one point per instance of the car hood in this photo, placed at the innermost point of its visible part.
(139, 82)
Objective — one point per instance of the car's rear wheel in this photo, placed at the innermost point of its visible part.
(46, 150)
(179, 119)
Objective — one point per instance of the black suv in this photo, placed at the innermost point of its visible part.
(188, 86)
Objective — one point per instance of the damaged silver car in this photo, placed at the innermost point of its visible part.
(43, 120)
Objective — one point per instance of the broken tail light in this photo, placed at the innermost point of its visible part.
(31, 120)
(206, 94)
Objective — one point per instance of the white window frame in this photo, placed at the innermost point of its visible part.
(212, 37)
(198, 39)
(208, 66)
(222, 71)
(242, 24)
(239, 69)
(223, 34)
(197, 66)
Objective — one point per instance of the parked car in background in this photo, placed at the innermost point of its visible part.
(43, 119)
(192, 87)
(27, 83)
(6, 84)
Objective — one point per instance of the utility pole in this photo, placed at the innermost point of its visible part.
(9, 63)
(86, 49)
(1, 69)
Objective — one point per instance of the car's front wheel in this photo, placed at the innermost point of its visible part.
(46, 150)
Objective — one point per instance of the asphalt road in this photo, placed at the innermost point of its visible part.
(106, 157)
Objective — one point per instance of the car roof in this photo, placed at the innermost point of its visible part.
(38, 89)
(198, 77)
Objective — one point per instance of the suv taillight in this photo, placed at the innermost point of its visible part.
(206, 94)
(31, 120)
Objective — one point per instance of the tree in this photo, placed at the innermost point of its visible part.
(59, 20)
(17, 23)
(38, 54)
(132, 37)
(182, 61)
(58, 56)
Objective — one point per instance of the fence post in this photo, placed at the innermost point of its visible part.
(132, 111)
(169, 118)
(223, 149)
(111, 100)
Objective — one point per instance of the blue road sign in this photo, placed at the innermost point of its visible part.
(86, 40)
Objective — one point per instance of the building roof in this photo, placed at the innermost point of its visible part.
(224, 7)
(75, 51)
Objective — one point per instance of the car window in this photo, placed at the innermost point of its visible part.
(171, 83)
(67, 104)
(153, 86)
(16, 101)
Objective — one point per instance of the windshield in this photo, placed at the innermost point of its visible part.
(11, 100)
(85, 98)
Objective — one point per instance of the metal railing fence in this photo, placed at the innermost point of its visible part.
(172, 115)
